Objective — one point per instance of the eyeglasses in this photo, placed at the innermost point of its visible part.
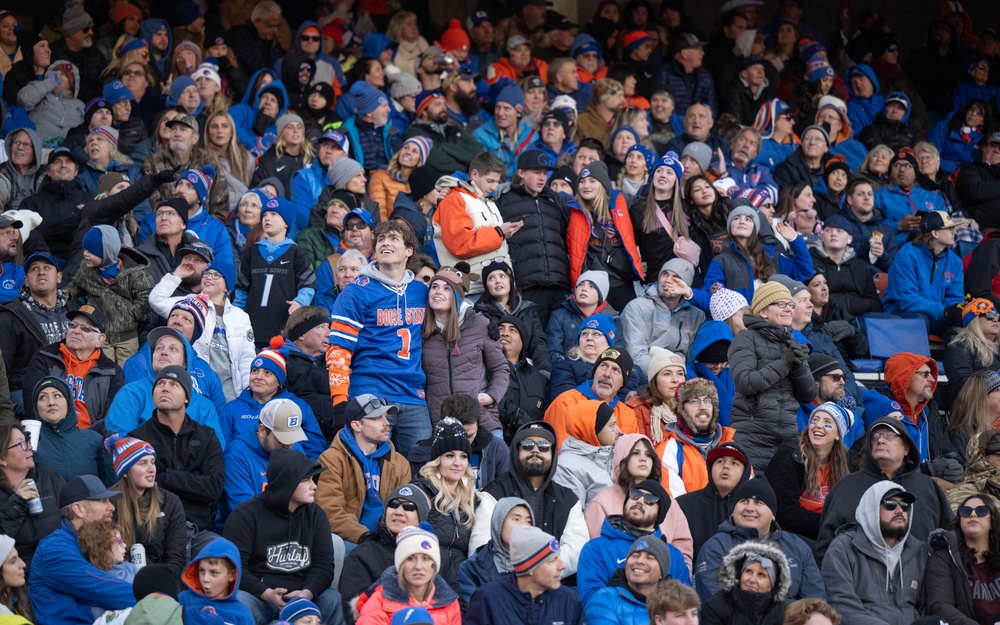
(884, 434)
(212, 275)
(552, 124)
(836, 377)
(891, 504)
(591, 334)
(649, 499)
(357, 226)
(133, 72)
(966, 511)
(783, 304)
(309, 38)
(700, 401)
(167, 213)
(542, 446)
(925, 374)
(407, 506)
(73, 325)
(21, 144)
(24, 444)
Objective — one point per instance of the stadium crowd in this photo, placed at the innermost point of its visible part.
(305, 319)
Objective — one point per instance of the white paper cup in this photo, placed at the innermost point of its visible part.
(33, 428)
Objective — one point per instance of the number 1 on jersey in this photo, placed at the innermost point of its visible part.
(404, 336)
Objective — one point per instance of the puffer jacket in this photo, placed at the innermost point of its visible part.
(733, 606)
(69, 450)
(788, 479)
(97, 389)
(527, 312)
(978, 185)
(767, 393)
(648, 321)
(124, 301)
(14, 186)
(981, 477)
(452, 533)
(584, 464)
(538, 250)
(474, 365)
(946, 582)
(54, 115)
(27, 530)
(698, 86)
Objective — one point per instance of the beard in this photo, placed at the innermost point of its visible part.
(180, 146)
(468, 104)
(535, 466)
(639, 518)
(891, 531)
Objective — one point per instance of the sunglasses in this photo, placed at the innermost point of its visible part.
(992, 316)
(309, 38)
(836, 377)
(891, 504)
(966, 511)
(407, 506)
(543, 446)
(647, 498)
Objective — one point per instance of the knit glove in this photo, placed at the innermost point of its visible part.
(261, 123)
(839, 330)
(946, 467)
(953, 314)
(795, 354)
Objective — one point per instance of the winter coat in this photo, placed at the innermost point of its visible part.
(243, 414)
(467, 227)
(617, 604)
(26, 529)
(474, 365)
(90, 175)
(648, 321)
(931, 510)
(741, 101)
(63, 585)
(270, 165)
(603, 555)
(960, 363)
(454, 147)
(787, 476)
(611, 500)
(568, 374)
(978, 185)
(227, 606)
(568, 402)
(14, 186)
(981, 477)
(882, 131)
(391, 141)
(863, 236)
(579, 236)
(70, 450)
(218, 195)
(60, 205)
(308, 379)
(245, 120)
(341, 489)
(279, 548)
(768, 394)
(710, 332)
(946, 582)
(253, 52)
(698, 86)
(501, 601)
(189, 465)
(850, 281)
(478, 570)
(706, 510)
(684, 458)
(527, 312)
(795, 169)
(54, 114)
(383, 189)
(204, 380)
(859, 584)
(319, 243)
(526, 399)
(97, 389)
(168, 542)
(923, 283)
(494, 457)
(805, 580)
(388, 597)
(563, 330)
(584, 464)
(956, 148)
(21, 335)
(124, 301)
(451, 530)
(734, 606)
(538, 250)
(307, 184)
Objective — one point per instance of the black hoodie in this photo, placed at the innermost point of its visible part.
(278, 548)
(705, 509)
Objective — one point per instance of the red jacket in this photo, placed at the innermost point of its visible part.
(578, 236)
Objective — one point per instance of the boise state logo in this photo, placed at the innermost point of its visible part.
(257, 363)
(426, 545)
(585, 173)
(406, 491)
(642, 545)
(8, 285)
(294, 421)
(593, 323)
(272, 204)
(554, 545)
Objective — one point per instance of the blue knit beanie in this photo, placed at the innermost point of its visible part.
(604, 324)
(284, 208)
(366, 97)
(514, 96)
(647, 155)
(297, 608)
(178, 86)
(103, 242)
(115, 92)
(200, 179)
(671, 160)
(228, 271)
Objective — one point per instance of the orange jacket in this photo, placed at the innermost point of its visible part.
(504, 69)
(383, 189)
(566, 404)
(579, 231)
(684, 469)
(459, 232)
(388, 598)
(585, 76)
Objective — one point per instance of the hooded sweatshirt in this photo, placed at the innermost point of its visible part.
(899, 370)
(708, 333)
(862, 111)
(279, 548)
(493, 558)
(226, 606)
(150, 27)
(373, 507)
(14, 187)
(584, 464)
(54, 114)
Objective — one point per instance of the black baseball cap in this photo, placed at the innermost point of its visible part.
(534, 159)
(902, 494)
(94, 315)
(197, 247)
(85, 488)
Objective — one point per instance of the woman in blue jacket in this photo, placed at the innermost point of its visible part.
(957, 138)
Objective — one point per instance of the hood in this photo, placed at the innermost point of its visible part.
(290, 68)
(709, 332)
(406, 209)
(867, 71)
(151, 26)
(867, 515)
(322, 40)
(76, 77)
(845, 123)
(71, 418)
(524, 432)
(36, 143)
(899, 369)
(190, 358)
(747, 471)
(979, 472)
(249, 97)
(902, 96)
(623, 447)
(581, 418)
(732, 566)
(819, 250)
(912, 456)
(500, 512)
(767, 114)
(285, 470)
(280, 86)
(371, 272)
(375, 44)
(218, 548)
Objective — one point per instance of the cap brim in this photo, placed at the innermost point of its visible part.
(884, 424)
(719, 452)
(156, 334)
(105, 494)
(384, 410)
(290, 438)
(902, 494)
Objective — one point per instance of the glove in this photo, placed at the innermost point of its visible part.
(839, 330)
(340, 414)
(946, 467)
(953, 314)
(792, 358)
(165, 176)
(261, 123)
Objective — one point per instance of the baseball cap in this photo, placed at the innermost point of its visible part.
(361, 214)
(886, 423)
(939, 220)
(61, 151)
(284, 418)
(39, 257)
(726, 450)
(367, 406)
(478, 18)
(993, 137)
(85, 488)
(94, 315)
(185, 119)
(197, 247)
(902, 494)
(686, 41)
(516, 41)
(898, 99)
(534, 159)
(7, 220)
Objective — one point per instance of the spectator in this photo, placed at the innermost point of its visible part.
(934, 179)
(829, 193)
(163, 246)
(104, 155)
(527, 395)
(912, 381)
(594, 121)
(745, 94)
(414, 580)
(52, 102)
(830, 388)
(981, 466)
(641, 516)
(671, 602)
(65, 447)
(664, 317)
(624, 599)
(875, 169)
(458, 354)
(959, 137)
(386, 184)
(889, 454)
(774, 122)
(685, 77)
(891, 126)
(57, 201)
(866, 96)
(874, 240)
(358, 232)
(707, 508)
(744, 167)
(759, 594)
(63, 586)
(96, 378)
(502, 298)
(699, 123)
(688, 441)
(848, 277)
(213, 579)
(975, 347)
(588, 298)
(507, 134)
(977, 183)
(146, 514)
(805, 164)
(307, 333)
(454, 146)
(656, 403)
(634, 461)
(803, 471)
(493, 558)
(254, 42)
(289, 153)
(709, 354)
(903, 202)
(365, 467)
(371, 120)
(19, 174)
(874, 571)
(321, 242)
(975, 84)
(925, 281)
(31, 57)
(586, 454)
(267, 527)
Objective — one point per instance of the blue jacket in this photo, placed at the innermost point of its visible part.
(568, 147)
(862, 111)
(967, 90)
(246, 473)
(89, 176)
(133, 404)
(806, 580)
(244, 115)
(920, 283)
(698, 86)
(710, 332)
(390, 139)
(754, 176)
(477, 571)
(146, 31)
(489, 137)
(204, 227)
(955, 150)
(501, 602)
(854, 432)
(307, 184)
(853, 150)
(204, 379)
(798, 267)
(64, 585)
(773, 153)
(601, 556)
(563, 329)
(326, 287)
(11, 281)
(228, 607)
(243, 413)
(615, 605)
(895, 205)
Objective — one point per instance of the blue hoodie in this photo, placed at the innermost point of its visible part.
(246, 472)
(133, 404)
(227, 606)
(322, 56)
(146, 31)
(204, 227)
(203, 378)
(710, 332)
(244, 115)
(373, 507)
(243, 413)
(307, 184)
(862, 111)
(920, 283)
(896, 204)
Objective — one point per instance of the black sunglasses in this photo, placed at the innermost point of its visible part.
(647, 498)
(966, 511)
(407, 506)
(891, 504)
(309, 38)
(543, 446)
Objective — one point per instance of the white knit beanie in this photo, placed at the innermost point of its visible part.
(660, 359)
(6, 544)
(411, 540)
(725, 303)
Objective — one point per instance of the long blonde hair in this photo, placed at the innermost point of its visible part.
(600, 209)
(459, 503)
(240, 164)
(137, 510)
(972, 339)
(308, 152)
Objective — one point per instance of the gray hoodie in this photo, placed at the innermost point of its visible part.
(501, 555)
(54, 114)
(14, 186)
